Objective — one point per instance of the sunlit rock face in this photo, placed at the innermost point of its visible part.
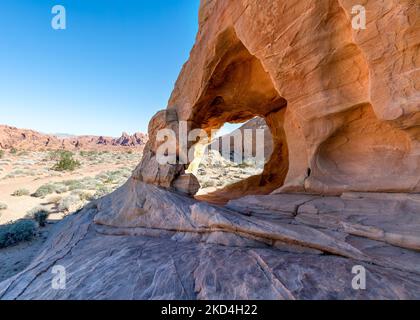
(342, 107)
(342, 104)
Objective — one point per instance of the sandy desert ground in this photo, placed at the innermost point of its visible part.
(28, 184)
(31, 173)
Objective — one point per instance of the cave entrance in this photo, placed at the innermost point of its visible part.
(237, 90)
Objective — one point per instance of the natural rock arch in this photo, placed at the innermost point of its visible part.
(238, 90)
(314, 93)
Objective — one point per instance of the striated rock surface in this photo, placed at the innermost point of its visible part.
(342, 107)
(23, 139)
(284, 246)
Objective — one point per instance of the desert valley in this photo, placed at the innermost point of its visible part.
(28, 173)
(31, 184)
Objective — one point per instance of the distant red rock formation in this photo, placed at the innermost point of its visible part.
(24, 139)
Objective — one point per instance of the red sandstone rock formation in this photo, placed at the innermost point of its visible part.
(342, 105)
(22, 139)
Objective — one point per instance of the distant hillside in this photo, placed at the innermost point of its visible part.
(253, 124)
(25, 139)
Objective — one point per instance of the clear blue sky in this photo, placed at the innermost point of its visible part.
(112, 68)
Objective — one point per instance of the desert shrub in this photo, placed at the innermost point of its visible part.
(207, 183)
(13, 233)
(114, 177)
(66, 163)
(102, 191)
(9, 176)
(90, 183)
(13, 151)
(67, 203)
(102, 176)
(73, 185)
(44, 190)
(220, 183)
(201, 172)
(60, 188)
(54, 199)
(58, 154)
(20, 193)
(244, 164)
(88, 154)
(3, 206)
(39, 214)
(41, 217)
(57, 187)
(85, 196)
(23, 153)
(1, 154)
(87, 183)
(19, 172)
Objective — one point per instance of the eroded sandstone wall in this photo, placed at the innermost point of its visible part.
(343, 105)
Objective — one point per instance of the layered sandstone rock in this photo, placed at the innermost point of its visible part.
(144, 242)
(343, 110)
(342, 105)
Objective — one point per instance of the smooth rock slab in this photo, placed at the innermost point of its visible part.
(138, 267)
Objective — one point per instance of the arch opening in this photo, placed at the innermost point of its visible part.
(236, 153)
(239, 90)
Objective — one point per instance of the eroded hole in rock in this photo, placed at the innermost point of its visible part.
(239, 90)
(237, 152)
